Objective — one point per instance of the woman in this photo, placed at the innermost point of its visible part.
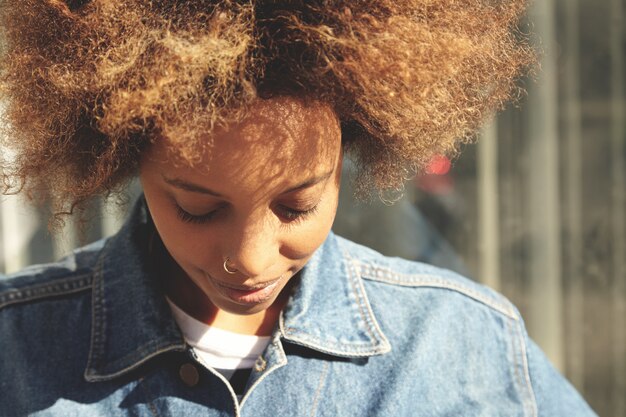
(225, 293)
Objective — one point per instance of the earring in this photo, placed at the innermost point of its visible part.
(228, 270)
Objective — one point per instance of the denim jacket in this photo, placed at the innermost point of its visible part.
(361, 335)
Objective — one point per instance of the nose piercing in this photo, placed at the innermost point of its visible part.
(228, 270)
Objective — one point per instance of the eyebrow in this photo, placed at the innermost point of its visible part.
(310, 182)
(195, 188)
(189, 186)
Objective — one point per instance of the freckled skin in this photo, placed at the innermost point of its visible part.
(252, 165)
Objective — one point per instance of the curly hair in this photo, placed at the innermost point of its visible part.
(89, 84)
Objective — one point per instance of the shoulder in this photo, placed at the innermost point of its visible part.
(462, 335)
(71, 275)
(449, 327)
(411, 298)
(45, 320)
(406, 279)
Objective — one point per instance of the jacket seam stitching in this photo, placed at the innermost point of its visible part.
(60, 287)
(343, 353)
(434, 282)
(378, 343)
(279, 364)
(134, 365)
(517, 377)
(368, 316)
(320, 386)
(96, 306)
(151, 405)
(526, 374)
(359, 298)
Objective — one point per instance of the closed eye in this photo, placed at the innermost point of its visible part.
(193, 218)
(293, 215)
(288, 214)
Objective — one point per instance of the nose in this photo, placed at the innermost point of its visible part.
(253, 248)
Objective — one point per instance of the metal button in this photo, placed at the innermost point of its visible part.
(260, 364)
(189, 374)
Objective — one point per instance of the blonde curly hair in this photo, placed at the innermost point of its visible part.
(90, 84)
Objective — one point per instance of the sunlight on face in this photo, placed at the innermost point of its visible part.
(264, 196)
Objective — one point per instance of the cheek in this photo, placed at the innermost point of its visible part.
(184, 246)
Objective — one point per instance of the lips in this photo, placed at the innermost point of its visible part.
(247, 295)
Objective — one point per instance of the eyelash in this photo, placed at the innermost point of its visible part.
(289, 214)
(191, 218)
(293, 216)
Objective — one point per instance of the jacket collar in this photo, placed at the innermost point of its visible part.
(132, 322)
(329, 310)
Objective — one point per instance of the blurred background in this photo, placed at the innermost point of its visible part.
(536, 209)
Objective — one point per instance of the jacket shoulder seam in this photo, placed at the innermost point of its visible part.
(388, 276)
(57, 287)
(521, 372)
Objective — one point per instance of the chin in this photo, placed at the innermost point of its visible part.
(242, 310)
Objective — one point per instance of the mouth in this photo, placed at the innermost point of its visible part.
(248, 295)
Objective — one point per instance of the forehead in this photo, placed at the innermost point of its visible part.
(275, 128)
(279, 140)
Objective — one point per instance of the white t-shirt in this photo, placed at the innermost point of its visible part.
(220, 349)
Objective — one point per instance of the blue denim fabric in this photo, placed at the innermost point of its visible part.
(362, 335)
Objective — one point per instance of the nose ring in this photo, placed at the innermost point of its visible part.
(228, 270)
